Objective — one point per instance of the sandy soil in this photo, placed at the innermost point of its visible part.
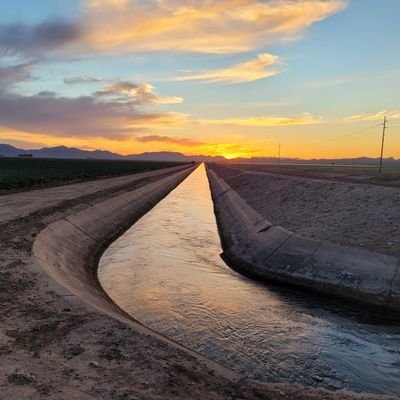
(52, 348)
(390, 175)
(349, 213)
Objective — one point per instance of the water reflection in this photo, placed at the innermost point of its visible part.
(167, 273)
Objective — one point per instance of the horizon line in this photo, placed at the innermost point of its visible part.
(191, 155)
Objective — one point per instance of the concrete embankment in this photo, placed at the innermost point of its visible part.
(69, 250)
(254, 246)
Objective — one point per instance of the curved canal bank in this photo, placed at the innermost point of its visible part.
(179, 286)
(86, 234)
(255, 246)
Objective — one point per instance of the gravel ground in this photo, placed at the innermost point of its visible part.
(352, 214)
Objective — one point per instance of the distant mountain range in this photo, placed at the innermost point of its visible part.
(70, 152)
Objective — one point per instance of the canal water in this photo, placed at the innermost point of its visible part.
(167, 273)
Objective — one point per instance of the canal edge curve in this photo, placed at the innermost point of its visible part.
(69, 250)
(254, 246)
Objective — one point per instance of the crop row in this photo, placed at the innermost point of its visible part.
(18, 173)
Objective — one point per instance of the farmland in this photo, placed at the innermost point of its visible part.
(24, 173)
(390, 175)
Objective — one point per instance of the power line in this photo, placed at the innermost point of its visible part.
(354, 133)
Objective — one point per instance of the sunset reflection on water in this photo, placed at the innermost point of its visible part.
(166, 272)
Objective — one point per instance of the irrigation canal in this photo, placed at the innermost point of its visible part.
(167, 273)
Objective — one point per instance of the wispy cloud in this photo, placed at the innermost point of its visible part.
(225, 26)
(143, 93)
(303, 119)
(34, 40)
(10, 75)
(221, 27)
(74, 80)
(258, 68)
(169, 139)
(373, 116)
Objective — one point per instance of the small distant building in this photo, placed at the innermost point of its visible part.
(25, 155)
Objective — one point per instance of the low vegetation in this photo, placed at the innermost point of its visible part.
(22, 173)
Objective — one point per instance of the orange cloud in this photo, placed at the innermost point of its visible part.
(225, 26)
(303, 119)
(169, 139)
(143, 93)
(248, 71)
(130, 145)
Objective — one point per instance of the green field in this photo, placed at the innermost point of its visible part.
(22, 173)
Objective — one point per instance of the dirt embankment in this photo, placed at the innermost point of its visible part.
(351, 214)
(390, 175)
(52, 348)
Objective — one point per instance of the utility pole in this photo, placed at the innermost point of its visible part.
(383, 142)
(279, 155)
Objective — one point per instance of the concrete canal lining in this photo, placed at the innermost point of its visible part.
(254, 246)
(68, 250)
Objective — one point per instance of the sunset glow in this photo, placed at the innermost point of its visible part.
(231, 77)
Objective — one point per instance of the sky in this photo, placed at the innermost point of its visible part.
(214, 77)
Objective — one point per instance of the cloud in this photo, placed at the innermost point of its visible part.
(73, 80)
(221, 27)
(143, 93)
(373, 117)
(126, 26)
(168, 139)
(303, 119)
(248, 71)
(9, 75)
(34, 40)
(78, 117)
